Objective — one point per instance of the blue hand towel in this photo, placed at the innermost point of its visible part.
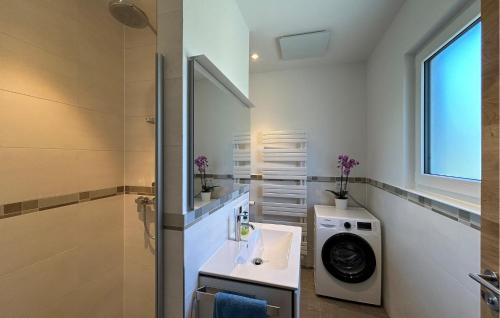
(235, 306)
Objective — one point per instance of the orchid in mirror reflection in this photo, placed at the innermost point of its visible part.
(345, 164)
(202, 163)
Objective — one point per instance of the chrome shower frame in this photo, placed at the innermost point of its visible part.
(160, 188)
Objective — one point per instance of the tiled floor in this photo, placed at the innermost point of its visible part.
(312, 306)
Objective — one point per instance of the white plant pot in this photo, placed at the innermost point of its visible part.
(205, 196)
(341, 204)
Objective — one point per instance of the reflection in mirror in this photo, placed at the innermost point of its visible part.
(221, 138)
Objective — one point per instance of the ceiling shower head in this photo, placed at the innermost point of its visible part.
(129, 14)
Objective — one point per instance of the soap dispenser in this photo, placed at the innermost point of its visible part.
(245, 230)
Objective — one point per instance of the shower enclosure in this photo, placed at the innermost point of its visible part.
(78, 118)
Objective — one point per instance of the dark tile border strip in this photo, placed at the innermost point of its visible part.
(216, 176)
(180, 222)
(48, 203)
(187, 220)
(453, 213)
(139, 190)
(335, 179)
(316, 179)
(175, 222)
(24, 207)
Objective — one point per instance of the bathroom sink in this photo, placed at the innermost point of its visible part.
(271, 246)
(270, 256)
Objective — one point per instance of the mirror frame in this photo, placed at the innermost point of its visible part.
(210, 68)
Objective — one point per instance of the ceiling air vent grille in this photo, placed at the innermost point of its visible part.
(304, 45)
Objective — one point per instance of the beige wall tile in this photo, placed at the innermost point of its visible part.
(140, 63)
(100, 238)
(93, 80)
(31, 238)
(100, 91)
(39, 23)
(139, 290)
(37, 173)
(139, 168)
(26, 292)
(32, 173)
(98, 298)
(140, 98)
(30, 122)
(33, 71)
(101, 47)
(139, 135)
(139, 37)
(100, 169)
(74, 250)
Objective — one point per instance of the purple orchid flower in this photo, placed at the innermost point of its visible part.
(202, 163)
(345, 164)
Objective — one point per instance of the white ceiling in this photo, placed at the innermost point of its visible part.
(355, 25)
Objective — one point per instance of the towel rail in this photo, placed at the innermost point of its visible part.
(205, 293)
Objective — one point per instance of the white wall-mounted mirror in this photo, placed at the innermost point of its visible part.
(219, 134)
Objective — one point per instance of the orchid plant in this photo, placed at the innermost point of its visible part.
(202, 163)
(345, 164)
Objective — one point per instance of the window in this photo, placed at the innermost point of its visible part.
(452, 107)
(446, 160)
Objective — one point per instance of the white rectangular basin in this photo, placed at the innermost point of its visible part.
(278, 246)
(271, 246)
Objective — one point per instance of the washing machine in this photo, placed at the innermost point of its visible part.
(348, 254)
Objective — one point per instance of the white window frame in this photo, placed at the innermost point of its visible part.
(455, 188)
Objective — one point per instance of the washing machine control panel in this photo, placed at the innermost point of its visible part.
(333, 223)
(364, 226)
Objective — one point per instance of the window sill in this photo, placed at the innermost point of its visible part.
(459, 204)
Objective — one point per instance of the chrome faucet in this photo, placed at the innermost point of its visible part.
(239, 224)
(142, 205)
(144, 201)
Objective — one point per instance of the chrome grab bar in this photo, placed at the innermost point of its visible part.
(205, 293)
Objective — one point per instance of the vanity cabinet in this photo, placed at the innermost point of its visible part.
(286, 299)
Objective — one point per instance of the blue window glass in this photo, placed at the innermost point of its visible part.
(452, 111)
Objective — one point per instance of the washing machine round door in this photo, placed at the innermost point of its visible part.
(348, 257)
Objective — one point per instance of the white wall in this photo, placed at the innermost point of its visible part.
(426, 256)
(389, 85)
(426, 259)
(327, 102)
(217, 29)
(201, 241)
